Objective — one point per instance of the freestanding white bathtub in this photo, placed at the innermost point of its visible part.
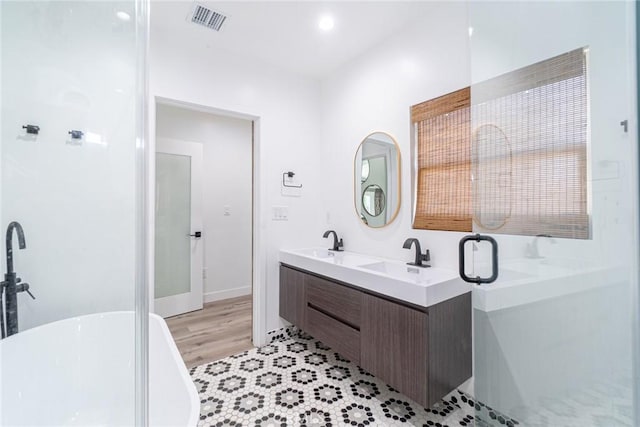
(80, 372)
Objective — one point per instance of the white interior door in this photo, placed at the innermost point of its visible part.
(178, 227)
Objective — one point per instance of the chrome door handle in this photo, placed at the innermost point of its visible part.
(197, 234)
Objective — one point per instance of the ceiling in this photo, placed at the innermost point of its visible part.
(286, 34)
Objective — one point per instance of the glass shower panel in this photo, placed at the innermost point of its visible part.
(555, 184)
(69, 127)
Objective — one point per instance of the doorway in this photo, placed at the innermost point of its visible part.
(219, 249)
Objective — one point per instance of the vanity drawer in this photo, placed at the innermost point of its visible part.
(337, 335)
(338, 301)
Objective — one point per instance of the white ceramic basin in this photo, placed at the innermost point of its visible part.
(409, 273)
(548, 266)
(508, 274)
(349, 259)
(317, 252)
(423, 287)
(326, 256)
(394, 268)
(569, 263)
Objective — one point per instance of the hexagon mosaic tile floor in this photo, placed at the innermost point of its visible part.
(301, 382)
(298, 381)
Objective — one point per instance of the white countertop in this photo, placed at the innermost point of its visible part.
(524, 281)
(420, 286)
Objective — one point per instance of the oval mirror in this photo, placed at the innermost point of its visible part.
(377, 180)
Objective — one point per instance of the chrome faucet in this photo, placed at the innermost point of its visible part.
(419, 255)
(12, 284)
(337, 244)
(532, 247)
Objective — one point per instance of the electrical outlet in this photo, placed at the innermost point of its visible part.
(227, 210)
(204, 273)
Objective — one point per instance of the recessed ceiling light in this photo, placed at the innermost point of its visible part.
(325, 23)
(123, 16)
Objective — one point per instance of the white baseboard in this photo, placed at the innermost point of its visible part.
(226, 294)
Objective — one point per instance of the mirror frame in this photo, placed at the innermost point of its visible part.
(357, 182)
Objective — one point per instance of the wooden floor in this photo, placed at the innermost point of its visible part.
(220, 329)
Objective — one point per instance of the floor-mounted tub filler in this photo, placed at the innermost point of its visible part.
(80, 371)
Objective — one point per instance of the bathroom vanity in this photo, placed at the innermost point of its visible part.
(422, 351)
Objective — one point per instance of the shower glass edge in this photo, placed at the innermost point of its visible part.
(141, 292)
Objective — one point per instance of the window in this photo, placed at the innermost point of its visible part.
(527, 150)
(443, 193)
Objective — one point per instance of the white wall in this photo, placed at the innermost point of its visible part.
(227, 180)
(374, 92)
(287, 108)
(69, 65)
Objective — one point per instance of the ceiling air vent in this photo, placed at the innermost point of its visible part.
(207, 17)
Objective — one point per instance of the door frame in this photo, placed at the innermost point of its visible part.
(184, 303)
(259, 250)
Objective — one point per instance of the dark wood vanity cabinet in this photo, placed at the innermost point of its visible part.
(333, 315)
(423, 352)
(292, 296)
(394, 345)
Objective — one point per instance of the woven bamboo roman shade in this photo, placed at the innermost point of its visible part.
(443, 194)
(513, 162)
(529, 150)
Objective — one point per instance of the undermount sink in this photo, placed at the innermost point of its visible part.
(396, 279)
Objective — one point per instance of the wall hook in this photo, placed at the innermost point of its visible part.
(289, 175)
(32, 129)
